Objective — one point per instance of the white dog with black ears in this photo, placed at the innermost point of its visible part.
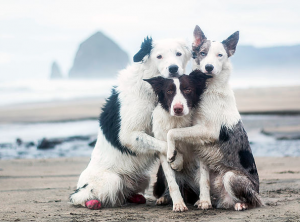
(219, 132)
(125, 150)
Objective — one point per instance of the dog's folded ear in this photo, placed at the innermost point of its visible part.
(146, 48)
(230, 43)
(199, 37)
(198, 75)
(157, 83)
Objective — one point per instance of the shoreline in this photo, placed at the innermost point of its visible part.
(252, 101)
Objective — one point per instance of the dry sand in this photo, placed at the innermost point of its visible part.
(269, 100)
(38, 190)
(259, 100)
(52, 111)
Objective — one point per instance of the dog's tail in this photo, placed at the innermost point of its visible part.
(159, 187)
(243, 189)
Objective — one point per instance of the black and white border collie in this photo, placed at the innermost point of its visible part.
(125, 150)
(177, 100)
(218, 130)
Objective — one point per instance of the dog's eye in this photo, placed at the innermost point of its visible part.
(170, 92)
(187, 91)
(220, 55)
(159, 57)
(178, 54)
(203, 53)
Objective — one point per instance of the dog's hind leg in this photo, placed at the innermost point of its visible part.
(164, 199)
(238, 192)
(178, 202)
(103, 187)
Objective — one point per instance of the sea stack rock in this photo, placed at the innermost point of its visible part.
(55, 71)
(98, 57)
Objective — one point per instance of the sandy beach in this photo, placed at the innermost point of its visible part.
(38, 190)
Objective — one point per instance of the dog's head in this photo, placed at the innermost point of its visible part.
(210, 56)
(179, 95)
(166, 57)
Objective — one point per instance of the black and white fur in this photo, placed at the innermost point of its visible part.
(125, 148)
(218, 130)
(177, 99)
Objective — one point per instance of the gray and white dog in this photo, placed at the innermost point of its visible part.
(218, 131)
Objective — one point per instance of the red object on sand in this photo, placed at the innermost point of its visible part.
(93, 204)
(137, 198)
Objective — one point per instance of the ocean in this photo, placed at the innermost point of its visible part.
(35, 91)
(84, 132)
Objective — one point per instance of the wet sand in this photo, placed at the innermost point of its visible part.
(277, 100)
(38, 190)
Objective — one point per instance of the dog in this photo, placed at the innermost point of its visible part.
(125, 149)
(218, 130)
(177, 99)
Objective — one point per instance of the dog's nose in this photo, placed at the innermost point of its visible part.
(173, 68)
(209, 67)
(178, 108)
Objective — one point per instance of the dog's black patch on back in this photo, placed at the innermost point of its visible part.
(246, 159)
(224, 134)
(146, 48)
(110, 122)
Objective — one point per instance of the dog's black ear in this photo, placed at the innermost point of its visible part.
(146, 48)
(199, 36)
(157, 83)
(230, 43)
(198, 75)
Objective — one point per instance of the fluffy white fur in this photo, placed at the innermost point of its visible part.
(111, 176)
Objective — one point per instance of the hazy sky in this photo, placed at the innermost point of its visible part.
(33, 33)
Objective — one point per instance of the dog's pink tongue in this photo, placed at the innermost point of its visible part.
(93, 204)
(137, 198)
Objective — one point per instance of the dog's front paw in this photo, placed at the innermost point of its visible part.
(179, 207)
(178, 162)
(203, 204)
(171, 156)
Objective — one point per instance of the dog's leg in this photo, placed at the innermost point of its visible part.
(237, 188)
(140, 142)
(97, 188)
(198, 134)
(204, 201)
(178, 203)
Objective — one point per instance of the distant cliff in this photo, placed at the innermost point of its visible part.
(98, 57)
(55, 71)
(249, 57)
